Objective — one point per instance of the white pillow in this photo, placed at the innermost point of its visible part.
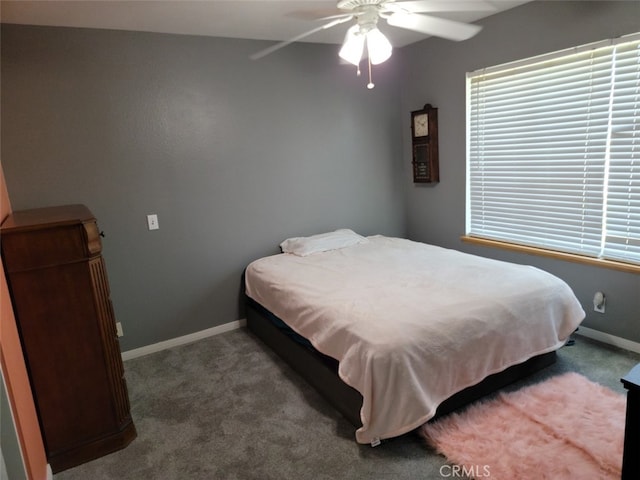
(323, 242)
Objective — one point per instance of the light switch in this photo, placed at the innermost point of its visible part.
(152, 222)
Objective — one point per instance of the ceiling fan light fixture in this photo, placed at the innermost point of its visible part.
(353, 46)
(378, 46)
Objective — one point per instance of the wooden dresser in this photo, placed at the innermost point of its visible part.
(60, 292)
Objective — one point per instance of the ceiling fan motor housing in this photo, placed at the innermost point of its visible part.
(353, 4)
(367, 12)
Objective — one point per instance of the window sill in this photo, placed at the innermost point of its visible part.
(569, 257)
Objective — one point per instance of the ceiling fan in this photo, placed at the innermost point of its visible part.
(401, 14)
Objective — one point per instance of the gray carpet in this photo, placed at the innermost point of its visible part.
(227, 408)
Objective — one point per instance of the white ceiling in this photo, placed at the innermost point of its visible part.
(250, 19)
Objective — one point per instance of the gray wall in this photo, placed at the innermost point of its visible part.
(233, 155)
(434, 72)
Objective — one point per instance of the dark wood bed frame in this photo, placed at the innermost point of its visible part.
(321, 371)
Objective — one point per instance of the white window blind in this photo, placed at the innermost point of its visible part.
(553, 151)
(622, 227)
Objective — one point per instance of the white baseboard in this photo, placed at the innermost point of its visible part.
(174, 342)
(609, 339)
(227, 327)
(49, 472)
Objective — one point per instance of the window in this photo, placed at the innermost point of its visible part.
(553, 151)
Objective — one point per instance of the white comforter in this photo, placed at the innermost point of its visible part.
(411, 324)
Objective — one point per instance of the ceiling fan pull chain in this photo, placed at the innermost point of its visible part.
(370, 85)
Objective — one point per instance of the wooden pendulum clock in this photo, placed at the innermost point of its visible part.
(424, 143)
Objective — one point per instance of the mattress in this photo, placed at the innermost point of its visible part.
(412, 324)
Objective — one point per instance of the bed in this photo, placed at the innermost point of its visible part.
(394, 332)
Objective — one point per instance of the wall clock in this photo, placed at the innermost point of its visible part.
(424, 145)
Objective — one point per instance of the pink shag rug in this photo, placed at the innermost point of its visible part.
(566, 427)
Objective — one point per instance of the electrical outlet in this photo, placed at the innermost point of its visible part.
(152, 222)
(119, 329)
(599, 302)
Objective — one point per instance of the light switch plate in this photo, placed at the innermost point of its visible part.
(152, 222)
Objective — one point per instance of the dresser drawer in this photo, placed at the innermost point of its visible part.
(70, 235)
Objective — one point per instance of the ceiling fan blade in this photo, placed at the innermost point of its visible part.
(278, 46)
(442, 6)
(311, 15)
(440, 27)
